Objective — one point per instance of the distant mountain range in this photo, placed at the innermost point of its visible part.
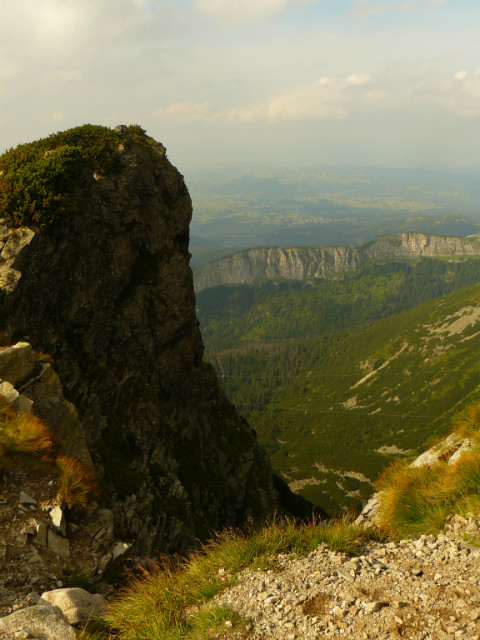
(303, 263)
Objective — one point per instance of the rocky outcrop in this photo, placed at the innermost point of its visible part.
(303, 263)
(29, 383)
(107, 291)
(275, 263)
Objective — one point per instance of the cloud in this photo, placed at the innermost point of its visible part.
(400, 88)
(183, 112)
(358, 78)
(246, 10)
(365, 8)
(59, 116)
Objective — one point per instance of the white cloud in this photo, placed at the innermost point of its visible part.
(358, 78)
(399, 88)
(183, 112)
(461, 75)
(246, 10)
(365, 8)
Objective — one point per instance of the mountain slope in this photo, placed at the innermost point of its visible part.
(238, 315)
(334, 411)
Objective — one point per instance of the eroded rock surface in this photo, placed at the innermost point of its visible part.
(302, 263)
(108, 293)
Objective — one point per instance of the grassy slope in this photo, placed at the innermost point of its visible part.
(312, 414)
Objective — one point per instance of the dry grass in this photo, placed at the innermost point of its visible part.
(418, 500)
(468, 424)
(25, 439)
(76, 482)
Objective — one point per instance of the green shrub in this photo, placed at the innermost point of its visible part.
(35, 178)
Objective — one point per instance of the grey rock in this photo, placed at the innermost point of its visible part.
(17, 363)
(345, 573)
(77, 605)
(25, 499)
(58, 545)
(49, 404)
(40, 621)
(41, 534)
(120, 550)
(131, 307)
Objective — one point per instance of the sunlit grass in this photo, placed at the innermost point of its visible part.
(157, 604)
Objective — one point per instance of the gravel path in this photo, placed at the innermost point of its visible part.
(424, 588)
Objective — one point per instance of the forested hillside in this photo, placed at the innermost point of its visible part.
(336, 395)
(235, 315)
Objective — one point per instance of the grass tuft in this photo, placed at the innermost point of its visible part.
(416, 500)
(25, 439)
(76, 483)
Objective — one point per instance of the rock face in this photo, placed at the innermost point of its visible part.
(108, 293)
(302, 263)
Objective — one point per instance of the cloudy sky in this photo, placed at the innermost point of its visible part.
(393, 82)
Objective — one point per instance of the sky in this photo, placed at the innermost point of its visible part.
(365, 82)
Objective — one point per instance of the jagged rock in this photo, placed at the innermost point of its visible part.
(373, 607)
(77, 605)
(108, 293)
(58, 545)
(16, 400)
(49, 404)
(12, 241)
(17, 363)
(58, 520)
(39, 621)
(25, 499)
(120, 550)
(41, 534)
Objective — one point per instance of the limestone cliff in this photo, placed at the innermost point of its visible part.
(301, 263)
(107, 291)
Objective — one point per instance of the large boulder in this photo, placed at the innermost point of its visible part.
(77, 605)
(41, 621)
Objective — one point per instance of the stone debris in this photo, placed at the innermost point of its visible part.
(25, 499)
(428, 588)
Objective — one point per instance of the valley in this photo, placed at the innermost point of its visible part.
(343, 376)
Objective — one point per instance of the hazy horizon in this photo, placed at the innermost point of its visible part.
(327, 82)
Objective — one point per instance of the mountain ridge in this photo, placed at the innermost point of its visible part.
(302, 263)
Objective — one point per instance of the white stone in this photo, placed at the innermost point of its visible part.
(58, 520)
(122, 548)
